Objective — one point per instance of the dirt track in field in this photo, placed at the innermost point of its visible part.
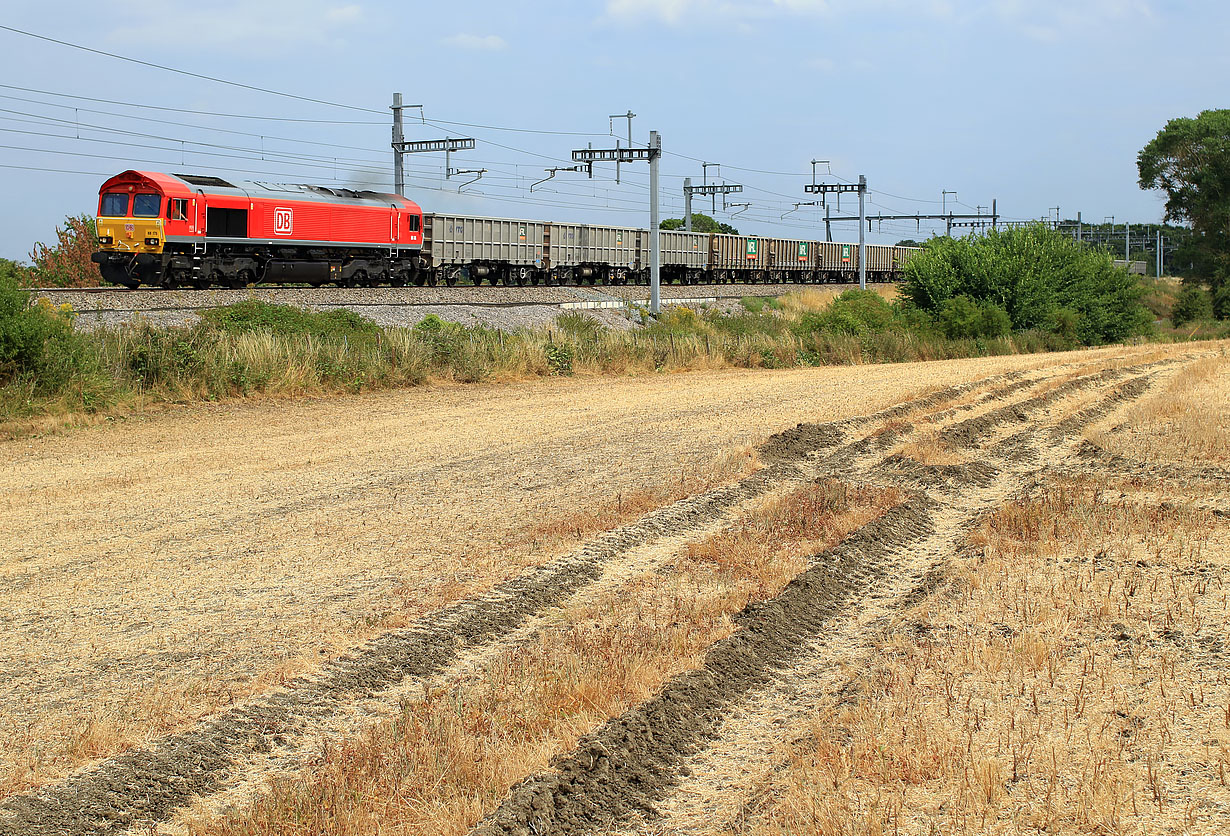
(206, 547)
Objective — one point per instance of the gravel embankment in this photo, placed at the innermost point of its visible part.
(499, 307)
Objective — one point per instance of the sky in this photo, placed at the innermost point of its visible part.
(1035, 104)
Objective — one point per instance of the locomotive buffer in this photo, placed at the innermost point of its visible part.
(652, 154)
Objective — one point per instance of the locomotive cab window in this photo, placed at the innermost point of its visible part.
(414, 223)
(146, 205)
(114, 205)
(177, 209)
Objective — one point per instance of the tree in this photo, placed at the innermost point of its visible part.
(15, 272)
(908, 242)
(1189, 160)
(67, 263)
(700, 223)
(1193, 304)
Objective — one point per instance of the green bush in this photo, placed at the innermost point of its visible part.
(14, 273)
(1064, 325)
(756, 304)
(747, 324)
(1193, 304)
(854, 312)
(559, 358)
(962, 318)
(1221, 300)
(1031, 272)
(678, 320)
(285, 320)
(37, 342)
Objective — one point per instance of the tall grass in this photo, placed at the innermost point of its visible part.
(255, 349)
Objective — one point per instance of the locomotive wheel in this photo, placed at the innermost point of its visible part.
(242, 279)
(432, 279)
(450, 278)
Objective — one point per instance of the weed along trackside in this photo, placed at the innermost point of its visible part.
(991, 599)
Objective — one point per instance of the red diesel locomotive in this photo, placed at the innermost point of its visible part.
(179, 229)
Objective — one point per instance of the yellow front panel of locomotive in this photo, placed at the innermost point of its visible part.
(130, 235)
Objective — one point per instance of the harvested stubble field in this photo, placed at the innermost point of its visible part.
(959, 597)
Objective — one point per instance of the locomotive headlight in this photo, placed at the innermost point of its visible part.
(151, 242)
(104, 239)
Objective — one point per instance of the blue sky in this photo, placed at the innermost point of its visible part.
(1038, 104)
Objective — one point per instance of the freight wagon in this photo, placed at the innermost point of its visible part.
(176, 229)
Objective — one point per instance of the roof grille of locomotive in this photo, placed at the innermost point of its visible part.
(204, 180)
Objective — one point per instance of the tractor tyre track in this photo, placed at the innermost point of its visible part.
(629, 764)
(147, 784)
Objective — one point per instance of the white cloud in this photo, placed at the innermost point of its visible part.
(691, 12)
(464, 40)
(344, 14)
(1051, 20)
(1035, 18)
(272, 26)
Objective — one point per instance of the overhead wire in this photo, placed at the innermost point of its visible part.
(189, 125)
(196, 112)
(293, 159)
(188, 73)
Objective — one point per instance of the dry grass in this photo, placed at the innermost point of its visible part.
(1186, 421)
(819, 298)
(926, 447)
(161, 567)
(1068, 675)
(450, 756)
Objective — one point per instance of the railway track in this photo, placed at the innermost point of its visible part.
(120, 301)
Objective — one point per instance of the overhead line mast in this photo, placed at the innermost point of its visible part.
(448, 145)
(653, 155)
(838, 189)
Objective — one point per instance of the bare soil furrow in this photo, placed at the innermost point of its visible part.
(711, 787)
(1096, 457)
(714, 781)
(630, 763)
(799, 441)
(147, 784)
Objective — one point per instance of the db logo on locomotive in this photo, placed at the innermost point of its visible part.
(283, 220)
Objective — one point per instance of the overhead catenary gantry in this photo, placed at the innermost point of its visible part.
(448, 145)
(860, 187)
(689, 190)
(651, 154)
